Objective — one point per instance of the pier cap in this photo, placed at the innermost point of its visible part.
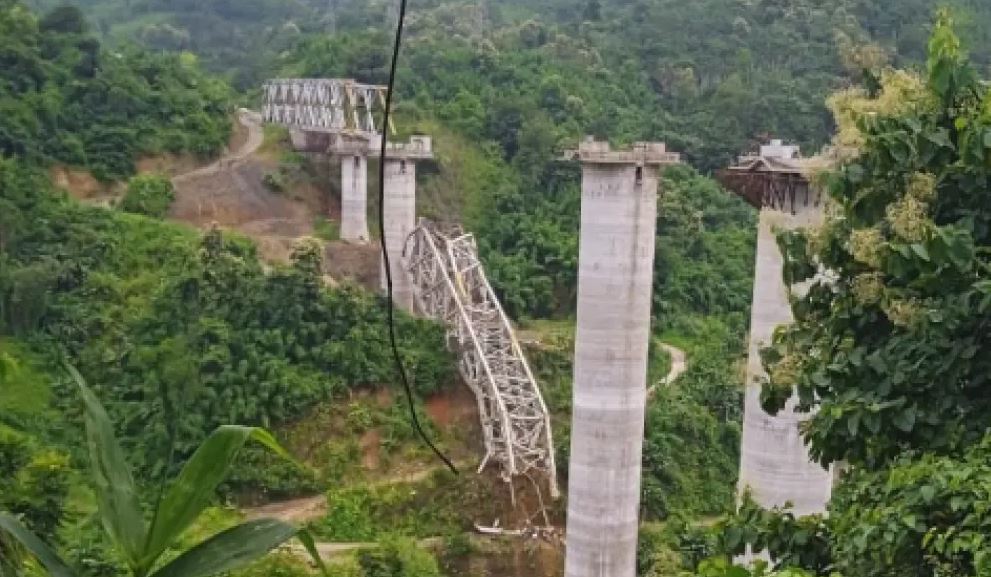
(419, 147)
(640, 154)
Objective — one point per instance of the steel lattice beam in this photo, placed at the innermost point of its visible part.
(449, 284)
(324, 104)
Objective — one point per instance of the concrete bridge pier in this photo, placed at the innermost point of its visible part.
(615, 287)
(400, 220)
(775, 465)
(774, 461)
(399, 207)
(354, 197)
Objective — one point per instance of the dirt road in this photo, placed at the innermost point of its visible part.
(248, 119)
(230, 193)
(679, 364)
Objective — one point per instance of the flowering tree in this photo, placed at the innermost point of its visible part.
(893, 345)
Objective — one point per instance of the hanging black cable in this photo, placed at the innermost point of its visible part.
(390, 303)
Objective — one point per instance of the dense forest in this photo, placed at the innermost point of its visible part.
(179, 331)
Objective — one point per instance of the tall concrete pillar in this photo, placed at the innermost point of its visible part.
(615, 281)
(400, 220)
(354, 198)
(775, 463)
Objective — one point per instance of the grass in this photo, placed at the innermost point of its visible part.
(325, 229)
(275, 142)
(439, 505)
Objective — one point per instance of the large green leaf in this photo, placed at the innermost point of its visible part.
(120, 512)
(194, 488)
(229, 549)
(310, 545)
(36, 546)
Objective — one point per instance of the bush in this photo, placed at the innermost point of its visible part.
(440, 505)
(275, 181)
(279, 564)
(148, 194)
(260, 473)
(326, 229)
(398, 558)
(33, 483)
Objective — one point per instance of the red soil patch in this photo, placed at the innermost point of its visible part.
(456, 406)
(383, 398)
(370, 444)
(358, 262)
(168, 164)
(80, 184)
(234, 197)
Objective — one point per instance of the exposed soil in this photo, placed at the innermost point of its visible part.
(512, 557)
(82, 185)
(296, 511)
(230, 193)
(371, 445)
(359, 263)
(168, 164)
(234, 197)
(455, 407)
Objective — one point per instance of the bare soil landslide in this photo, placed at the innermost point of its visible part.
(230, 194)
(359, 263)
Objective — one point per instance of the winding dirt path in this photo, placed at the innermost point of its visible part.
(249, 119)
(679, 364)
(306, 509)
(256, 137)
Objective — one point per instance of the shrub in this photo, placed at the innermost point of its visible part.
(148, 194)
(326, 229)
(398, 558)
(279, 564)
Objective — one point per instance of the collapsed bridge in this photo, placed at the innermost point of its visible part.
(450, 285)
(437, 271)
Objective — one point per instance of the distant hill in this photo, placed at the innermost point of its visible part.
(711, 76)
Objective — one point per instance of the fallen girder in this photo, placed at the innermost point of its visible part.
(449, 284)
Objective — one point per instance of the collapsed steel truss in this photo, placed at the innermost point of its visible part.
(450, 285)
(322, 104)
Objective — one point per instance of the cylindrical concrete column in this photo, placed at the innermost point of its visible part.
(354, 198)
(615, 272)
(400, 220)
(774, 462)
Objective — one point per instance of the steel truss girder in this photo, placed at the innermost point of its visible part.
(324, 104)
(449, 284)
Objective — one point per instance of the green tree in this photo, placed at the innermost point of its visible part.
(892, 346)
(148, 194)
(398, 558)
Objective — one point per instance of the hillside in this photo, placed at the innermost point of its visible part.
(198, 300)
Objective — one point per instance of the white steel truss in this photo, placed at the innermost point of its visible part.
(449, 284)
(324, 104)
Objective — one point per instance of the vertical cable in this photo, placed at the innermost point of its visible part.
(390, 302)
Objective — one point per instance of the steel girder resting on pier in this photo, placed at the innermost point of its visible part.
(324, 104)
(449, 284)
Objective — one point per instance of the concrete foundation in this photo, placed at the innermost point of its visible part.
(400, 220)
(775, 463)
(615, 273)
(354, 198)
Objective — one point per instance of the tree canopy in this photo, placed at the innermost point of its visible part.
(890, 346)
